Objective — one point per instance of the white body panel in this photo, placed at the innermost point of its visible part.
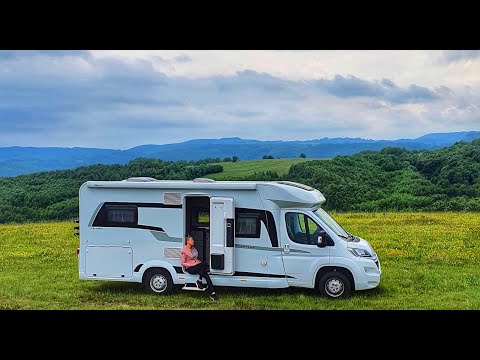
(270, 260)
(170, 223)
(109, 262)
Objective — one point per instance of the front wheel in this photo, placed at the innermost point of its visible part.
(334, 285)
(158, 281)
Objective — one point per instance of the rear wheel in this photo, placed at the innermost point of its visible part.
(158, 281)
(334, 285)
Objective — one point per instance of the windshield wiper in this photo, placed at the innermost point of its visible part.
(342, 236)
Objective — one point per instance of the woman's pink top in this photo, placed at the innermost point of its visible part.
(189, 258)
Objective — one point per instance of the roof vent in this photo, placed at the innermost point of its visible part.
(295, 184)
(141, 179)
(203, 180)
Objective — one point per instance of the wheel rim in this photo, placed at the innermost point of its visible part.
(158, 283)
(334, 287)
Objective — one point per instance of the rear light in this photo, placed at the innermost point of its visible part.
(78, 251)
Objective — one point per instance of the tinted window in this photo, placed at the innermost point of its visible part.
(301, 228)
(247, 225)
(121, 215)
(117, 215)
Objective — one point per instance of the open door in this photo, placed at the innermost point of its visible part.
(222, 233)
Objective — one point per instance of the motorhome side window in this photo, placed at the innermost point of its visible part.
(301, 228)
(247, 226)
(117, 215)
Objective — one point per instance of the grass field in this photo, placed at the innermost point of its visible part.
(429, 261)
(234, 170)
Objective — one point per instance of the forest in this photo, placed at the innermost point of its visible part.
(53, 195)
(392, 179)
(395, 179)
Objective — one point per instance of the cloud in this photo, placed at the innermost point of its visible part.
(245, 113)
(452, 56)
(412, 94)
(249, 80)
(69, 98)
(351, 86)
(15, 54)
(183, 58)
(388, 83)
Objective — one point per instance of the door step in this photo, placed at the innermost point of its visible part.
(194, 287)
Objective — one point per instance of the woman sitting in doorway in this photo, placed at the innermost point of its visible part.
(193, 265)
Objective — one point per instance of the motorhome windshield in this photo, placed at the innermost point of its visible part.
(331, 223)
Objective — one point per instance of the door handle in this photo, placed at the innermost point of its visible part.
(286, 248)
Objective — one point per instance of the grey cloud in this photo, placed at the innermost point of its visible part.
(27, 120)
(251, 80)
(139, 73)
(452, 56)
(128, 98)
(13, 54)
(386, 89)
(388, 83)
(245, 113)
(443, 91)
(350, 86)
(169, 123)
(413, 94)
(169, 63)
(183, 58)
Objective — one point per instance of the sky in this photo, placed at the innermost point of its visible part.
(119, 99)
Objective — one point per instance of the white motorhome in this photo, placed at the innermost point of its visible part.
(268, 234)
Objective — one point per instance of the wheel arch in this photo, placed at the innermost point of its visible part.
(158, 265)
(325, 269)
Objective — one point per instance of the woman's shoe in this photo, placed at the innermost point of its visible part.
(200, 285)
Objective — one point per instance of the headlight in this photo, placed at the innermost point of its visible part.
(359, 252)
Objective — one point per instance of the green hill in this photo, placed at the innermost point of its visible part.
(393, 179)
(396, 179)
(240, 169)
(53, 195)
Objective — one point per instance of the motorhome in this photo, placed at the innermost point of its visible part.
(266, 234)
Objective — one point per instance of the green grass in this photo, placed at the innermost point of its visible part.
(235, 170)
(429, 261)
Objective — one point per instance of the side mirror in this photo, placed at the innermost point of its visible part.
(322, 239)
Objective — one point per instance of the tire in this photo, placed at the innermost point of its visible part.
(334, 285)
(158, 281)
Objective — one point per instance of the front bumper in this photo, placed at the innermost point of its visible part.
(371, 271)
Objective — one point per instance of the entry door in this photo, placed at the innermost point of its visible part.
(222, 233)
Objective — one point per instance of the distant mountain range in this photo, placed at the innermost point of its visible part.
(24, 160)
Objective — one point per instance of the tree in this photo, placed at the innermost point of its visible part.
(234, 158)
(303, 156)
